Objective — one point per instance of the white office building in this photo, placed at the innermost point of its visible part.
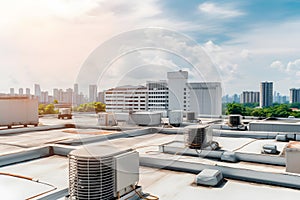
(126, 98)
(178, 92)
(158, 95)
(205, 98)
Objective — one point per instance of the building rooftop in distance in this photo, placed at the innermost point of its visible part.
(167, 168)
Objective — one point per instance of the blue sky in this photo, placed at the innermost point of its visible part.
(47, 41)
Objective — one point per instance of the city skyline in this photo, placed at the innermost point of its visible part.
(242, 38)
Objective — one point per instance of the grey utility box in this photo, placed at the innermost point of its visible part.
(209, 177)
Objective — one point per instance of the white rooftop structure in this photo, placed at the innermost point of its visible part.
(167, 168)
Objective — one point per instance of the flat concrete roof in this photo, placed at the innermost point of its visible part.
(166, 184)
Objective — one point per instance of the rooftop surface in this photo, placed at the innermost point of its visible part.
(51, 169)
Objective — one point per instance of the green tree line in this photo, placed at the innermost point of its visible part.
(47, 109)
(91, 107)
(277, 110)
(86, 107)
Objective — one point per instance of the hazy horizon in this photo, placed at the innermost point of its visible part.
(47, 42)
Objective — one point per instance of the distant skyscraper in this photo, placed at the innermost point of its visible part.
(250, 97)
(294, 95)
(92, 93)
(12, 91)
(76, 88)
(44, 97)
(56, 94)
(68, 95)
(37, 90)
(27, 91)
(101, 96)
(266, 94)
(75, 94)
(21, 92)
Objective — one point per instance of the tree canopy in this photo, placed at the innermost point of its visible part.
(277, 110)
(91, 107)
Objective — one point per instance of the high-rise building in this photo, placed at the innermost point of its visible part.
(249, 97)
(158, 95)
(68, 95)
(76, 94)
(294, 95)
(21, 91)
(92, 93)
(126, 98)
(205, 98)
(178, 92)
(12, 91)
(44, 97)
(101, 97)
(37, 90)
(27, 91)
(266, 94)
(56, 94)
(76, 88)
(236, 98)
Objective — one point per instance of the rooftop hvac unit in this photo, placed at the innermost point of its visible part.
(175, 117)
(197, 136)
(235, 120)
(106, 119)
(102, 172)
(146, 118)
(190, 116)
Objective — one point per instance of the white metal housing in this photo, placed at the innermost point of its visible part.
(18, 111)
(102, 172)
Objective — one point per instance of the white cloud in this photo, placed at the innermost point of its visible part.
(245, 53)
(218, 10)
(225, 59)
(278, 65)
(293, 66)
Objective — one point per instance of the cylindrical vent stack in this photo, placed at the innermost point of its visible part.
(91, 177)
(196, 136)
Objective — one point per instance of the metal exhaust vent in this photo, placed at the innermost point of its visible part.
(92, 173)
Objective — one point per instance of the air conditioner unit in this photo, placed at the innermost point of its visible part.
(235, 120)
(102, 172)
(197, 136)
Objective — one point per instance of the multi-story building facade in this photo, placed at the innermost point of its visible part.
(178, 91)
(205, 98)
(126, 98)
(266, 94)
(250, 97)
(175, 94)
(92, 93)
(158, 95)
(294, 95)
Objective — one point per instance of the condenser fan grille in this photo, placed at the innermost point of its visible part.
(91, 178)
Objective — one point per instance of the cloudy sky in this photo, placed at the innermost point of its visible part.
(48, 41)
